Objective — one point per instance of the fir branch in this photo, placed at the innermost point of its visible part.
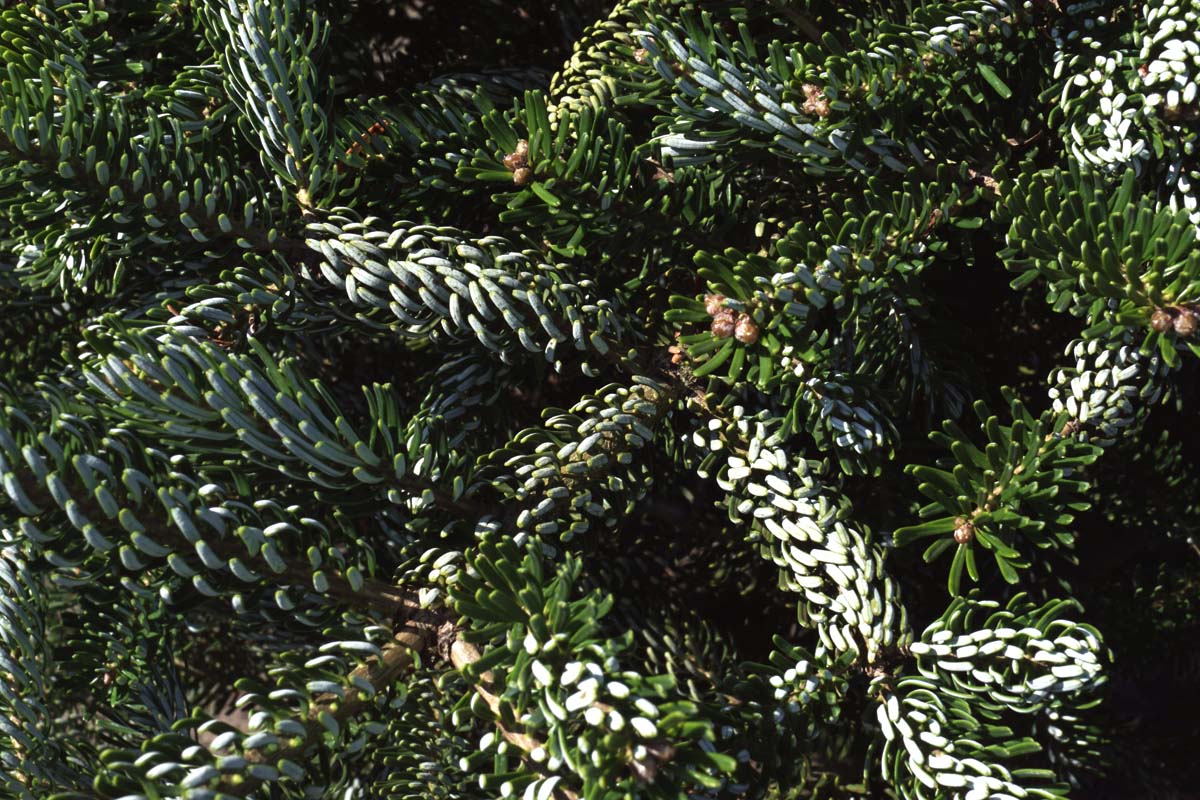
(399, 655)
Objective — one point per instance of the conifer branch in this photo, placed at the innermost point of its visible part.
(506, 416)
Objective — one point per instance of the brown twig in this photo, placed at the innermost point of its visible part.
(462, 655)
(397, 656)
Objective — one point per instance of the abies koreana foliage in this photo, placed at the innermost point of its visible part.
(594, 400)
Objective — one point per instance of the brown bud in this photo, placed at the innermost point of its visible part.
(985, 180)
(964, 531)
(713, 303)
(723, 324)
(518, 159)
(745, 330)
(1186, 323)
(640, 55)
(1160, 320)
(935, 217)
(815, 103)
(522, 175)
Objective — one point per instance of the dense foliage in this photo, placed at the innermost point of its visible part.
(579, 399)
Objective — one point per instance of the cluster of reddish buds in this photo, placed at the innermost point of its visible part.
(1184, 320)
(815, 102)
(356, 148)
(517, 162)
(726, 322)
(376, 129)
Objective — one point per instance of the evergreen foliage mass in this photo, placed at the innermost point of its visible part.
(589, 400)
